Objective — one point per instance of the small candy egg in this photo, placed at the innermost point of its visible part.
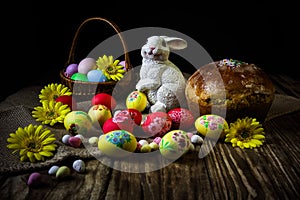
(65, 139)
(118, 143)
(211, 126)
(145, 148)
(190, 134)
(157, 124)
(96, 75)
(53, 170)
(80, 136)
(157, 140)
(34, 179)
(196, 139)
(104, 99)
(74, 141)
(99, 114)
(71, 69)
(63, 172)
(93, 141)
(79, 77)
(174, 144)
(154, 146)
(79, 166)
(86, 65)
(143, 142)
(137, 100)
(182, 118)
(77, 122)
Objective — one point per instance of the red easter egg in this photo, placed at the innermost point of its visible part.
(182, 118)
(110, 125)
(69, 100)
(104, 99)
(157, 124)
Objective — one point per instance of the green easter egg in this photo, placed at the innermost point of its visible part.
(79, 77)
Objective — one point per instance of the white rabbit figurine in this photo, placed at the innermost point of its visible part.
(160, 79)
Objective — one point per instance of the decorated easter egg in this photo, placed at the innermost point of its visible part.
(157, 124)
(127, 119)
(104, 99)
(117, 143)
(71, 69)
(110, 125)
(96, 75)
(86, 65)
(212, 126)
(99, 114)
(79, 77)
(174, 144)
(77, 122)
(182, 118)
(137, 100)
(69, 100)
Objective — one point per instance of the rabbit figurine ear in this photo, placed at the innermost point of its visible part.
(175, 43)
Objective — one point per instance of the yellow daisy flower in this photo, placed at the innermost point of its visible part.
(110, 67)
(246, 133)
(33, 142)
(54, 90)
(51, 112)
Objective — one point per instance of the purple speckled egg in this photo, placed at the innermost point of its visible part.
(34, 179)
(71, 69)
(86, 64)
(123, 63)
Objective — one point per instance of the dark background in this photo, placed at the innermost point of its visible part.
(37, 36)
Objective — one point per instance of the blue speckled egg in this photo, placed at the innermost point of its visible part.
(96, 75)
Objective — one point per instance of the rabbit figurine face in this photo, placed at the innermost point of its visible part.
(160, 79)
(155, 49)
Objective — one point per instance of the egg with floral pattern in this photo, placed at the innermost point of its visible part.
(117, 143)
(157, 124)
(211, 126)
(174, 144)
(137, 100)
(182, 118)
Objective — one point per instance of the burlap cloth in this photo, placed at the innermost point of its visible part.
(16, 110)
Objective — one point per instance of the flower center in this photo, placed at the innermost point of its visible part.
(245, 134)
(110, 69)
(33, 146)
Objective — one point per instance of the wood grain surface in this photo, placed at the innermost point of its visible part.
(269, 172)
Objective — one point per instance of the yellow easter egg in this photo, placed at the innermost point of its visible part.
(77, 122)
(99, 114)
(117, 143)
(212, 126)
(174, 144)
(136, 100)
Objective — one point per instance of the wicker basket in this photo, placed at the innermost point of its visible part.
(88, 89)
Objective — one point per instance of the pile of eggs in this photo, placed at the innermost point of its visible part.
(86, 71)
(132, 130)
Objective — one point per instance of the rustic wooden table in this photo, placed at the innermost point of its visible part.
(271, 171)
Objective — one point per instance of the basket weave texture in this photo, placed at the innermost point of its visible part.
(88, 89)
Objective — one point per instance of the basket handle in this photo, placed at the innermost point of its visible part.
(113, 25)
